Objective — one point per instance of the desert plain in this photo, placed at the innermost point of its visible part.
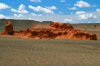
(23, 51)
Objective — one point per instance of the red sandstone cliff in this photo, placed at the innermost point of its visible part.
(61, 25)
(55, 30)
(8, 29)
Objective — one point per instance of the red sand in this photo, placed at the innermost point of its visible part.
(54, 31)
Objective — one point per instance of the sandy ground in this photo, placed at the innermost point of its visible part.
(16, 51)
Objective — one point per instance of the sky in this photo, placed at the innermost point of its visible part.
(64, 11)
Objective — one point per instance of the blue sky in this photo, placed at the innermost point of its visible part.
(65, 11)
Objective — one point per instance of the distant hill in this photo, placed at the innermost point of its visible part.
(27, 23)
(85, 25)
(20, 24)
(23, 23)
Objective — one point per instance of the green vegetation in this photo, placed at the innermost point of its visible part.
(48, 52)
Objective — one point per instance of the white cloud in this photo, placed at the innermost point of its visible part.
(14, 10)
(62, 0)
(82, 4)
(30, 18)
(73, 8)
(20, 15)
(33, 14)
(87, 16)
(21, 9)
(84, 15)
(67, 20)
(80, 12)
(4, 6)
(35, 0)
(2, 16)
(52, 7)
(39, 8)
(60, 12)
(98, 10)
(71, 13)
(89, 21)
(62, 18)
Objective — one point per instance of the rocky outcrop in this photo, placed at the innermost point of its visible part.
(35, 33)
(94, 26)
(85, 35)
(70, 33)
(61, 25)
(8, 29)
(76, 34)
(54, 31)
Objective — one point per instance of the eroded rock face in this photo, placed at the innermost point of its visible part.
(35, 33)
(8, 29)
(70, 33)
(83, 35)
(94, 26)
(61, 25)
(54, 31)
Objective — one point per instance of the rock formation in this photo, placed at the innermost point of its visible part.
(54, 31)
(70, 33)
(94, 26)
(61, 25)
(76, 34)
(8, 29)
